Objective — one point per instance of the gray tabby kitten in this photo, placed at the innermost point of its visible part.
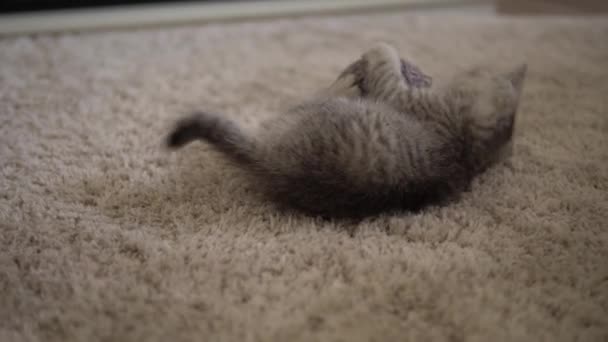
(372, 141)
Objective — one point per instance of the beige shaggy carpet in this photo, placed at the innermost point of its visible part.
(104, 236)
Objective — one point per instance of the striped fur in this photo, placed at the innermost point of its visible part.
(371, 142)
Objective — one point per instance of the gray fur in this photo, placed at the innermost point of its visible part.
(372, 141)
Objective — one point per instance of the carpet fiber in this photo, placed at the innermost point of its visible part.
(105, 236)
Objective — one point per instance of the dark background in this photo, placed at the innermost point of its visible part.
(15, 6)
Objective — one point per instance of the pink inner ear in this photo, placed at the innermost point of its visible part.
(414, 77)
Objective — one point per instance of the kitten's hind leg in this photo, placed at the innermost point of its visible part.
(380, 74)
(390, 79)
(382, 77)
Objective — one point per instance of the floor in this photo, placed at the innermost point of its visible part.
(105, 237)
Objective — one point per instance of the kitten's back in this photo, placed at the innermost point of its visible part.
(342, 157)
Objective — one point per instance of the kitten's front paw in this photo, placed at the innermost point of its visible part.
(355, 71)
(350, 80)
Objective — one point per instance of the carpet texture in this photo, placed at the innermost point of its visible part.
(105, 236)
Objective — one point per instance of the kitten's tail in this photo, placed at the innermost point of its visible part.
(218, 131)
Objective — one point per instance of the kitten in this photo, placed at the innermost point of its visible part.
(372, 141)
(478, 105)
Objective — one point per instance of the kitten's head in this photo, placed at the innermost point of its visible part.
(490, 99)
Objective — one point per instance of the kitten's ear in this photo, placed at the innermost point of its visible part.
(517, 76)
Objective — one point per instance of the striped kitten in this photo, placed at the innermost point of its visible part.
(372, 141)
